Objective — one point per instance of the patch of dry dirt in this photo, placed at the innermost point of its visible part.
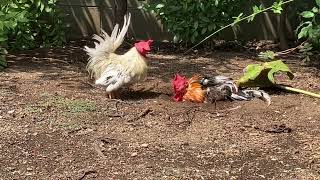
(55, 124)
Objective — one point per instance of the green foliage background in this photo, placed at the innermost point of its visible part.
(192, 20)
(27, 24)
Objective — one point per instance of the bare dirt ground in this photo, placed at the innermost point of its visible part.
(54, 124)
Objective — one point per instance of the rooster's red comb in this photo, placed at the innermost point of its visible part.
(179, 84)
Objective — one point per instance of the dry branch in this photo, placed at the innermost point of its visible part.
(141, 115)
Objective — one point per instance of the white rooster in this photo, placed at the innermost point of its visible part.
(114, 71)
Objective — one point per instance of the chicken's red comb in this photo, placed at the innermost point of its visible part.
(179, 84)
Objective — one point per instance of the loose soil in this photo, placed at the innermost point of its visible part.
(55, 124)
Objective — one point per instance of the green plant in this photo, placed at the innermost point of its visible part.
(26, 24)
(309, 29)
(276, 8)
(9, 19)
(192, 20)
(262, 75)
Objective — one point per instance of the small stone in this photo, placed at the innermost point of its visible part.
(29, 174)
(29, 169)
(11, 112)
(145, 145)
(10, 168)
(134, 154)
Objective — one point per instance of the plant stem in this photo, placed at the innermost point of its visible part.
(298, 91)
(231, 24)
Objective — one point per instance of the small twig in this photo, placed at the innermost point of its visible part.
(98, 150)
(235, 108)
(87, 173)
(141, 115)
(287, 51)
(86, 83)
(114, 115)
(271, 129)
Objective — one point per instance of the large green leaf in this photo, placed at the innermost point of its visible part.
(307, 14)
(262, 75)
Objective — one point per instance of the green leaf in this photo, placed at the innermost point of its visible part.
(262, 75)
(267, 55)
(211, 27)
(204, 30)
(306, 48)
(48, 9)
(160, 6)
(303, 24)
(276, 7)
(41, 7)
(304, 31)
(195, 25)
(216, 2)
(318, 2)
(256, 10)
(307, 14)
(205, 19)
(315, 10)
(3, 38)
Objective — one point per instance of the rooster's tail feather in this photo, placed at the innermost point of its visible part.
(106, 44)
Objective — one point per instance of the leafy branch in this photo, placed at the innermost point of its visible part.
(262, 75)
(276, 8)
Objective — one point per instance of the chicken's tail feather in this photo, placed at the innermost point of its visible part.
(106, 44)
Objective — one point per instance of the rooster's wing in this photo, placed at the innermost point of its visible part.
(114, 77)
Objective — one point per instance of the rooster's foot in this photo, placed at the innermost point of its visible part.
(113, 95)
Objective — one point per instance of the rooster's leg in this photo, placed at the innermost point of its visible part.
(114, 95)
(111, 95)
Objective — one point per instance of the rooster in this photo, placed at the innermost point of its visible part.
(209, 90)
(114, 71)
